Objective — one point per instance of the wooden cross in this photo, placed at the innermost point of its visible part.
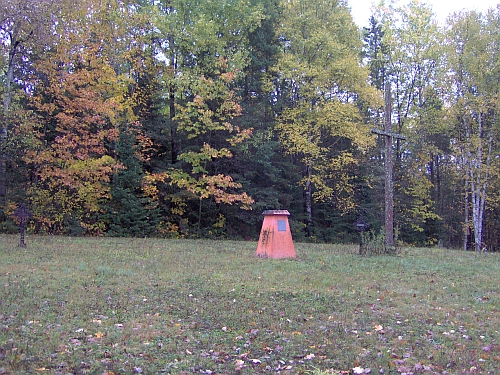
(389, 188)
(23, 214)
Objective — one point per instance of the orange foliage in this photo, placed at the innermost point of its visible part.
(81, 103)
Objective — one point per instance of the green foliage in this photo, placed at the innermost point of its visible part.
(206, 62)
(372, 243)
(247, 104)
(128, 212)
(321, 78)
(473, 110)
(404, 51)
(377, 53)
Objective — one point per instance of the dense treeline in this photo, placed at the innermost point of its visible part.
(189, 118)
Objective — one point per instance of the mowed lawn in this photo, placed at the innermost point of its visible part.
(153, 306)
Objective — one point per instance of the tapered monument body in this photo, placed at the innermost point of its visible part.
(275, 236)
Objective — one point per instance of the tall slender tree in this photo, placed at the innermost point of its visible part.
(205, 50)
(410, 61)
(129, 211)
(474, 67)
(321, 83)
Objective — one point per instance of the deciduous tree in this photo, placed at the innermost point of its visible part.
(321, 83)
(81, 99)
(474, 68)
(404, 51)
(204, 45)
(25, 28)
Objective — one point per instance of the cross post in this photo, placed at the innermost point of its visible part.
(389, 187)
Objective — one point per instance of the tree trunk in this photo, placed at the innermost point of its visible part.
(3, 131)
(174, 151)
(389, 185)
(479, 194)
(308, 201)
(466, 216)
(174, 145)
(478, 175)
(438, 183)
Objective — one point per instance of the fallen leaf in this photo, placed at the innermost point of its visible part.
(404, 369)
(418, 367)
(239, 364)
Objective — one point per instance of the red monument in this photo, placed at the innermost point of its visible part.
(275, 236)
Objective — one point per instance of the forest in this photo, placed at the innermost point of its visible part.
(189, 118)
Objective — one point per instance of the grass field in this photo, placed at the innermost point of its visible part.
(151, 306)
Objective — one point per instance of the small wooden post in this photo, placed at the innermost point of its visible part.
(275, 236)
(23, 214)
(361, 225)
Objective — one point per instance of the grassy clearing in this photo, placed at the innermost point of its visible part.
(151, 306)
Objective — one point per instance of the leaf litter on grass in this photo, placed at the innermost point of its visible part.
(174, 308)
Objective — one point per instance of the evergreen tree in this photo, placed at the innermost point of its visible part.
(130, 213)
(376, 52)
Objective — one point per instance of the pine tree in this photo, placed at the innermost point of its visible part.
(129, 213)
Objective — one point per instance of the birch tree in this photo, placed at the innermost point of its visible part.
(474, 68)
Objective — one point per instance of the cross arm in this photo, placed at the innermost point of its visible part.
(388, 134)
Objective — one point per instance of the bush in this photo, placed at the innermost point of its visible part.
(373, 243)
